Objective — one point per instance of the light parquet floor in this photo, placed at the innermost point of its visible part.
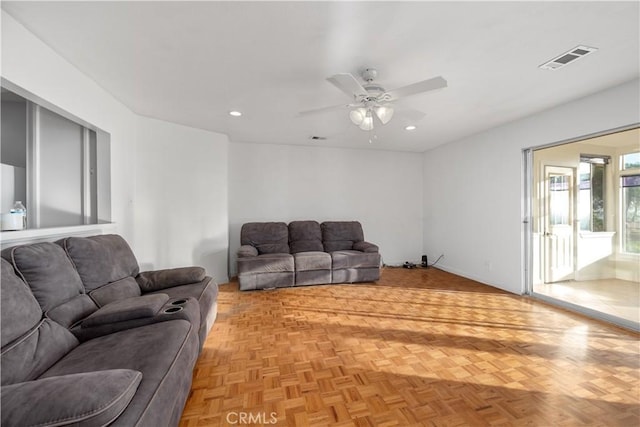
(418, 348)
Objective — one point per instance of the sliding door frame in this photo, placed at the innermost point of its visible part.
(527, 231)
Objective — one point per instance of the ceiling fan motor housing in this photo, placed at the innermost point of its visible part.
(369, 74)
(374, 88)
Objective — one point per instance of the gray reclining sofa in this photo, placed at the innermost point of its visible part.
(87, 340)
(275, 255)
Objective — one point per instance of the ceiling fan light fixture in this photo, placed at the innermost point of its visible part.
(384, 114)
(367, 122)
(371, 100)
(357, 116)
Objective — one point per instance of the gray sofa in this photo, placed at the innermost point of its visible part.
(274, 254)
(88, 340)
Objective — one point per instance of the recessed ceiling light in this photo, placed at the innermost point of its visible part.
(410, 127)
(235, 113)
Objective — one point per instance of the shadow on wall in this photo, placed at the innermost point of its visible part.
(212, 255)
(234, 245)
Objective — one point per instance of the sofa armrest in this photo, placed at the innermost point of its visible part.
(86, 399)
(247, 251)
(365, 247)
(150, 281)
(127, 309)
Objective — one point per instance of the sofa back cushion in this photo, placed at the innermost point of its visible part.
(20, 310)
(73, 311)
(101, 260)
(47, 270)
(305, 236)
(30, 344)
(115, 291)
(266, 237)
(341, 235)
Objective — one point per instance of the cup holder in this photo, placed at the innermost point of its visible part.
(172, 310)
(179, 302)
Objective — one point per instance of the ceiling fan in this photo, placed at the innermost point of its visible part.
(372, 100)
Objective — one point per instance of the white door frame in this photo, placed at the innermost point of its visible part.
(559, 247)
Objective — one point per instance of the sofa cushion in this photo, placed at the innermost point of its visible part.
(150, 281)
(308, 261)
(341, 235)
(115, 291)
(101, 259)
(71, 312)
(266, 237)
(30, 345)
(47, 270)
(305, 236)
(28, 357)
(87, 399)
(165, 353)
(127, 309)
(19, 310)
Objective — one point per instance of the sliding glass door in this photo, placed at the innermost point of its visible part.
(583, 232)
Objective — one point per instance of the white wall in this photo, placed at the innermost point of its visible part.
(14, 133)
(33, 66)
(381, 189)
(13, 186)
(181, 198)
(158, 170)
(473, 194)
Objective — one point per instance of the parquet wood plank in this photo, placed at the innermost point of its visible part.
(418, 348)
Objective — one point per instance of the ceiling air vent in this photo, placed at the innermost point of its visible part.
(568, 57)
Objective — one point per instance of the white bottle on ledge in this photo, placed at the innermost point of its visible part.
(19, 209)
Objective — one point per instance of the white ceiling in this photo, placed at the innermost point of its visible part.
(192, 62)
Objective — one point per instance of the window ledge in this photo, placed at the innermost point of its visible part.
(596, 234)
(34, 235)
(627, 256)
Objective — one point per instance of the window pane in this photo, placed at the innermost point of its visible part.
(597, 196)
(560, 201)
(631, 161)
(631, 213)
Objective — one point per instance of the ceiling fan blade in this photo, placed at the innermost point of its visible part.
(323, 110)
(419, 87)
(348, 84)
